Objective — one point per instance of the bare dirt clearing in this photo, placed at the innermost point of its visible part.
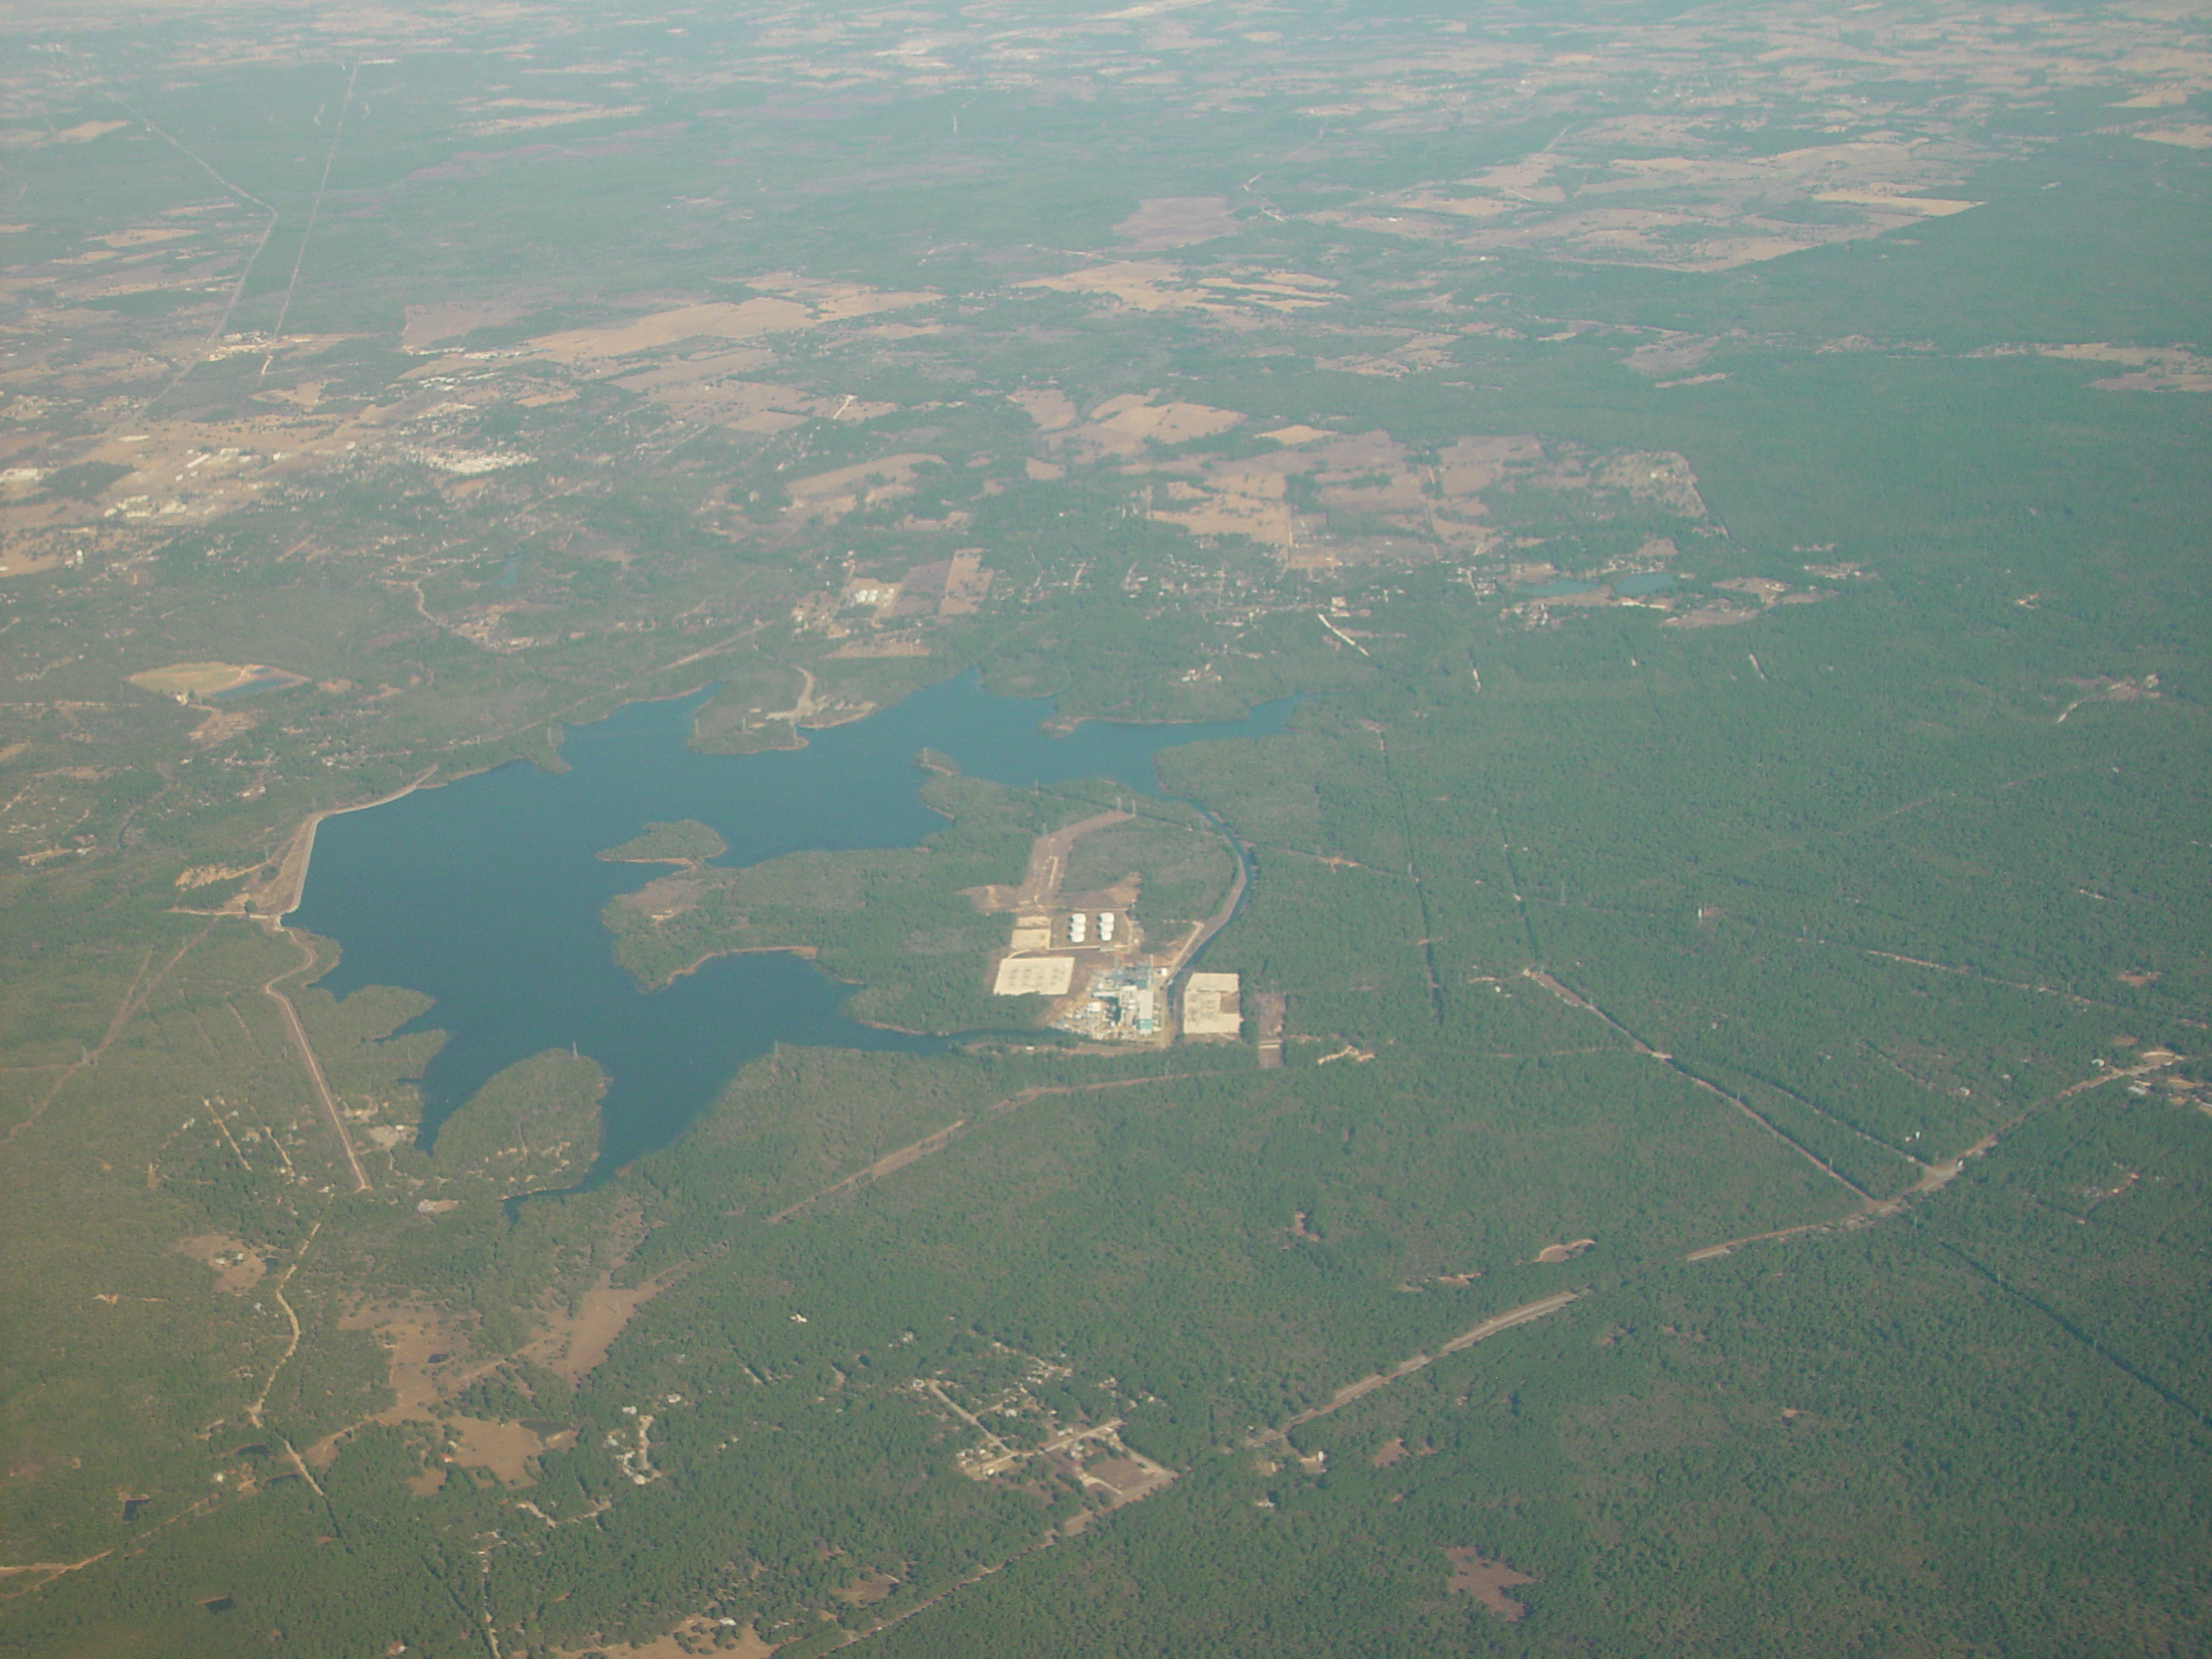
(506, 1451)
(825, 496)
(573, 1343)
(1692, 212)
(1177, 221)
(427, 324)
(1552, 1253)
(1474, 1574)
(1367, 1385)
(1149, 285)
(785, 304)
(238, 1267)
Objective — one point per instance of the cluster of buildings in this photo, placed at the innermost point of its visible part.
(1121, 1004)
(1123, 997)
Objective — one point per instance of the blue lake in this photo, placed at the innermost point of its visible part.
(486, 894)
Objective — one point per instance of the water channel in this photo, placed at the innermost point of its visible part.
(486, 894)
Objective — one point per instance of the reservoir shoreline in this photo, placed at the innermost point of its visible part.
(488, 900)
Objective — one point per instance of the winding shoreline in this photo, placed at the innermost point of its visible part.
(273, 900)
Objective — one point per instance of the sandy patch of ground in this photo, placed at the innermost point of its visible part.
(1671, 354)
(787, 302)
(761, 407)
(1050, 408)
(1476, 1574)
(799, 304)
(427, 324)
(870, 1589)
(1150, 285)
(206, 875)
(719, 319)
(670, 896)
(825, 496)
(698, 367)
(2151, 368)
(558, 118)
(15, 562)
(184, 472)
(223, 724)
(1556, 1253)
(504, 1450)
(687, 1641)
(182, 680)
(1177, 221)
(1766, 592)
(966, 584)
(1680, 213)
(1713, 616)
(1370, 479)
(1125, 425)
(139, 237)
(430, 1361)
(1417, 353)
(82, 132)
(424, 1353)
(573, 1343)
(2186, 138)
(238, 1267)
(1246, 503)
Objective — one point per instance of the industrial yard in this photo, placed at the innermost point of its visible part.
(1086, 951)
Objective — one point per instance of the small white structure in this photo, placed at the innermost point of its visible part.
(1211, 1008)
(1105, 927)
(1034, 976)
(1078, 926)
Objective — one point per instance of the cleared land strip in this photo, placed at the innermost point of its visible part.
(1048, 859)
(299, 1035)
(133, 1004)
(938, 1140)
(1525, 1314)
(1574, 1001)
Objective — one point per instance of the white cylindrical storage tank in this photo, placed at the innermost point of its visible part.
(1076, 927)
(1105, 927)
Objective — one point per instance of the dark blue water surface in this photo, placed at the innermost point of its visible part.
(486, 894)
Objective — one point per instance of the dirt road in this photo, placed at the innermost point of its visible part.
(1221, 918)
(1048, 859)
(940, 1139)
(1523, 1315)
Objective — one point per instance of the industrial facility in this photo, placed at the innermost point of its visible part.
(1121, 1004)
